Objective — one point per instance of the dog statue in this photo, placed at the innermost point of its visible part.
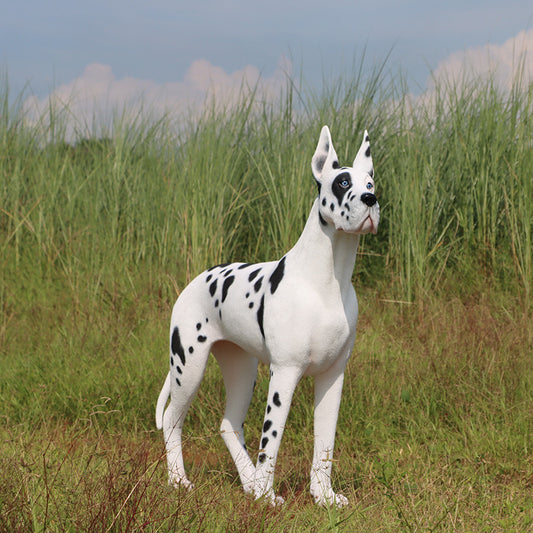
(298, 315)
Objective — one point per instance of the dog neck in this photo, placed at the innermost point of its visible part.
(325, 255)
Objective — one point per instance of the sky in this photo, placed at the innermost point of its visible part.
(111, 51)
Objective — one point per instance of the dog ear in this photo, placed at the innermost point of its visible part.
(363, 160)
(325, 157)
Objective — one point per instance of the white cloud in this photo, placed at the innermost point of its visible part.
(503, 63)
(88, 104)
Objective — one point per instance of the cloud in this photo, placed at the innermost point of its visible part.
(88, 104)
(505, 64)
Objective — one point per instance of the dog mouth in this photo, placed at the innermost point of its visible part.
(368, 226)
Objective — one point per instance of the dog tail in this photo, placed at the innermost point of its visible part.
(161, 402)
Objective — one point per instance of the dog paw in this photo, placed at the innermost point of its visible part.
(271, 499)
(330, 498)
(180, 483)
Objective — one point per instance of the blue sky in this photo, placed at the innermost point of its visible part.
(44, 45)
(49, 43)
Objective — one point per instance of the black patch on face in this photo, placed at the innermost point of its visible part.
(321, 218)
(276, 400)
(253, 274)
(260, 313)
(267, 425)
(201, 338)
(262, 457)
(277, 275)
(264, 442)
(176, 347)
(226, 285)
(336, 188)
(213, 288)
(257, 284)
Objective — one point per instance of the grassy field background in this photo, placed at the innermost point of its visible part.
(99, 235)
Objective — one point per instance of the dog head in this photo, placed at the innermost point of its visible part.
(345, 194)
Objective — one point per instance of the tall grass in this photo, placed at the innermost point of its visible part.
(99, 235)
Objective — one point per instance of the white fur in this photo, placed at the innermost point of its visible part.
(297, 315)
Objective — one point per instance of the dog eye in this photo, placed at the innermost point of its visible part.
(369, 185)
(344, 183)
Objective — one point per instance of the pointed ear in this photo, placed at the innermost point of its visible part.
(363, 160)
(325, 156)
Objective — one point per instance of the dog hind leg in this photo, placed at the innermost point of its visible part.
(187, 367)
(239, 370)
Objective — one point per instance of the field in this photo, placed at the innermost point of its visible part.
(99, 235)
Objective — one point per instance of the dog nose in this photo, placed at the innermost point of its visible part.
(369, 199)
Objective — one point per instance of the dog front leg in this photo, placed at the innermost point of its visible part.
(328, 390)
(283, 381)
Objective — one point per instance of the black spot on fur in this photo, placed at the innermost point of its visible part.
(260, 313)
(176, 347)
(262, 457)
(319, 163)
(257, 284)
(208, 279)
(171, 361)
(274, 433)
(191, 349)
(347, 206)
(342, 213)
(367, 139)
(222, 265)
(226, 285)
(321, 218)
(244, 265)
(264, 442)
(332, 207)
(276, 400)
(277, 276)
(267, 425)
(201, 338)
(179, 370)
(251, 305)
(213, 288)
(253, 274)
(269, 409)
(216, 303)
(319, 186)
(371, 173)
(178, 382)
(367, 153)
(335, 164)
(247, 295)
(228, 273)
(198, 326)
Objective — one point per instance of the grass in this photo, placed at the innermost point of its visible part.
(97, 238)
